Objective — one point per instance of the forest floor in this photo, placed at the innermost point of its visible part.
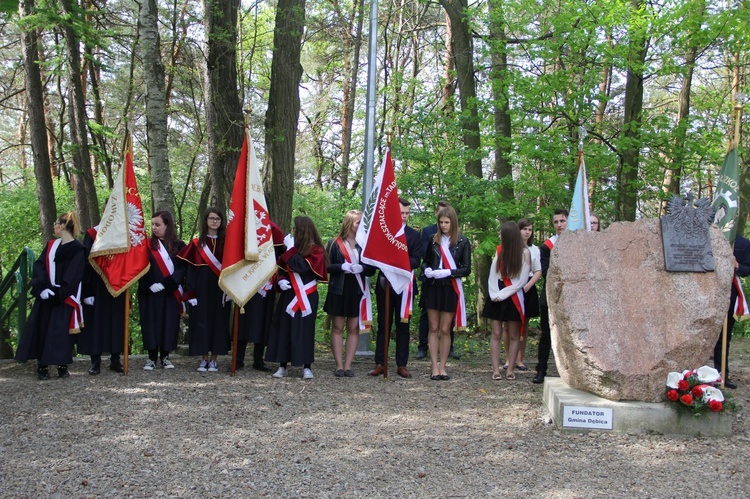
(180, 433)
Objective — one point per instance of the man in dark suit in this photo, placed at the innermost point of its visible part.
(424, 326)
(560, 224)
(741, 269)
(394, 311)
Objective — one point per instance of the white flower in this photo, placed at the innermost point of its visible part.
(672, 379)
(711, 393)
(707, 374)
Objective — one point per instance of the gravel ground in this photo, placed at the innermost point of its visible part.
(180, 433)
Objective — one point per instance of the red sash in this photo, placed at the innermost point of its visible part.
(407, 300)
(301, 302)
(458, 287)
(209, 258)
(365, 303)
(177, 293)
(740, 305)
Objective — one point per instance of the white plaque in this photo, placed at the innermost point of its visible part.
(594, 418)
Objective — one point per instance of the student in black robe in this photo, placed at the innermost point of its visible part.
(301, 267)
(255, 324)
(105, 317)
(160, 292)
(57, 311)
(209, 308)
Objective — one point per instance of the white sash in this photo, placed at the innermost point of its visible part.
(300, 300)
(457, 284)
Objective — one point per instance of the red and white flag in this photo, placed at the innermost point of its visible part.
(381, 233)
(120, 253)
(249, 259)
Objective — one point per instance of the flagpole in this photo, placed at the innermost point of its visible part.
(235, 333)
(387, 328)
(363, 346)
(127, 333)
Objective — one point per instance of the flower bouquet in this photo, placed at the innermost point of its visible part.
(697, 390)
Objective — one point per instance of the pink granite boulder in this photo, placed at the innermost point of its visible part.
(620, 322)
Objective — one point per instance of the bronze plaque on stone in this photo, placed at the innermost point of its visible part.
(685, 235)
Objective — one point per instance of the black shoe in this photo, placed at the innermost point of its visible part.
(116, 366)
(95, 369)
(43, 373)
(260, 367)
(538, 379)
(421, 354)
(730, 384)
(453, 355)
(62, 371)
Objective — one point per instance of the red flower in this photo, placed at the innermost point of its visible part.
(687, 374)
(673, 395)
(715, 405)
(687, 399)
(697, 392)
(683, 385)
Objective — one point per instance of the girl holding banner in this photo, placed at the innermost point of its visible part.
(301, 267)
(509, 273)
(57, 311)
(348, 301)
(209, 309)
(446, 261)
(160, 292)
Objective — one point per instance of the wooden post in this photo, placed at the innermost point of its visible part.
(125, 348)
(235, 332)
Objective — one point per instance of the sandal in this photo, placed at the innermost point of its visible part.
(510, 376)
(497, 377)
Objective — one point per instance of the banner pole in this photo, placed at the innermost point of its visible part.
(235, 332)
(387, 328)
(125, 348)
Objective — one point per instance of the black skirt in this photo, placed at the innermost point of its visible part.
(501, 310)
(438, 296)
(346, 304)
(531, 302)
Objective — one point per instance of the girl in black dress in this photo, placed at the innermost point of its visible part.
(446, 261)
(57, 312)
(509, 272)
(348, 300)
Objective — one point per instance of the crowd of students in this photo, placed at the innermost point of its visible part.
(280, 319)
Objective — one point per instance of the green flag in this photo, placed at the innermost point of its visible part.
(727, 198)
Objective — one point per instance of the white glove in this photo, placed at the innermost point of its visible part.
(285, 285)
(347, 267)
(226, 298)
(46, 293)
(156, 287)
(428, 272)
(193, 302)
(289, 241)
(441, 273)
(88, 301)
(357, 268)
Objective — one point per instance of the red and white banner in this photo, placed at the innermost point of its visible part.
(120, 251)
(249, 260)
(381, 233)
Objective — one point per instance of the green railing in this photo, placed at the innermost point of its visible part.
(15, 286)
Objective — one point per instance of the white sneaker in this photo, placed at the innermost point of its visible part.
(166, 364)
(280, 372)
(212, 367)
(150, 365)
(307, 373)
(203, 366)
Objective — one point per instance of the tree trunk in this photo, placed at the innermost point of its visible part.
(627, 173)
(350, 92)
(463, 53)
(85, 188)
(283, 108)
(37, 125)
(162, 190)
(224, 120)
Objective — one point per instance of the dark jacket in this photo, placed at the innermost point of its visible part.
(461, 252)
(336, 276)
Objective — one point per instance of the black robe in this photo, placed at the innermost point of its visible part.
(292, 339)
(47, 336)
(209, 319)
(104, 329)
(160, 312)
